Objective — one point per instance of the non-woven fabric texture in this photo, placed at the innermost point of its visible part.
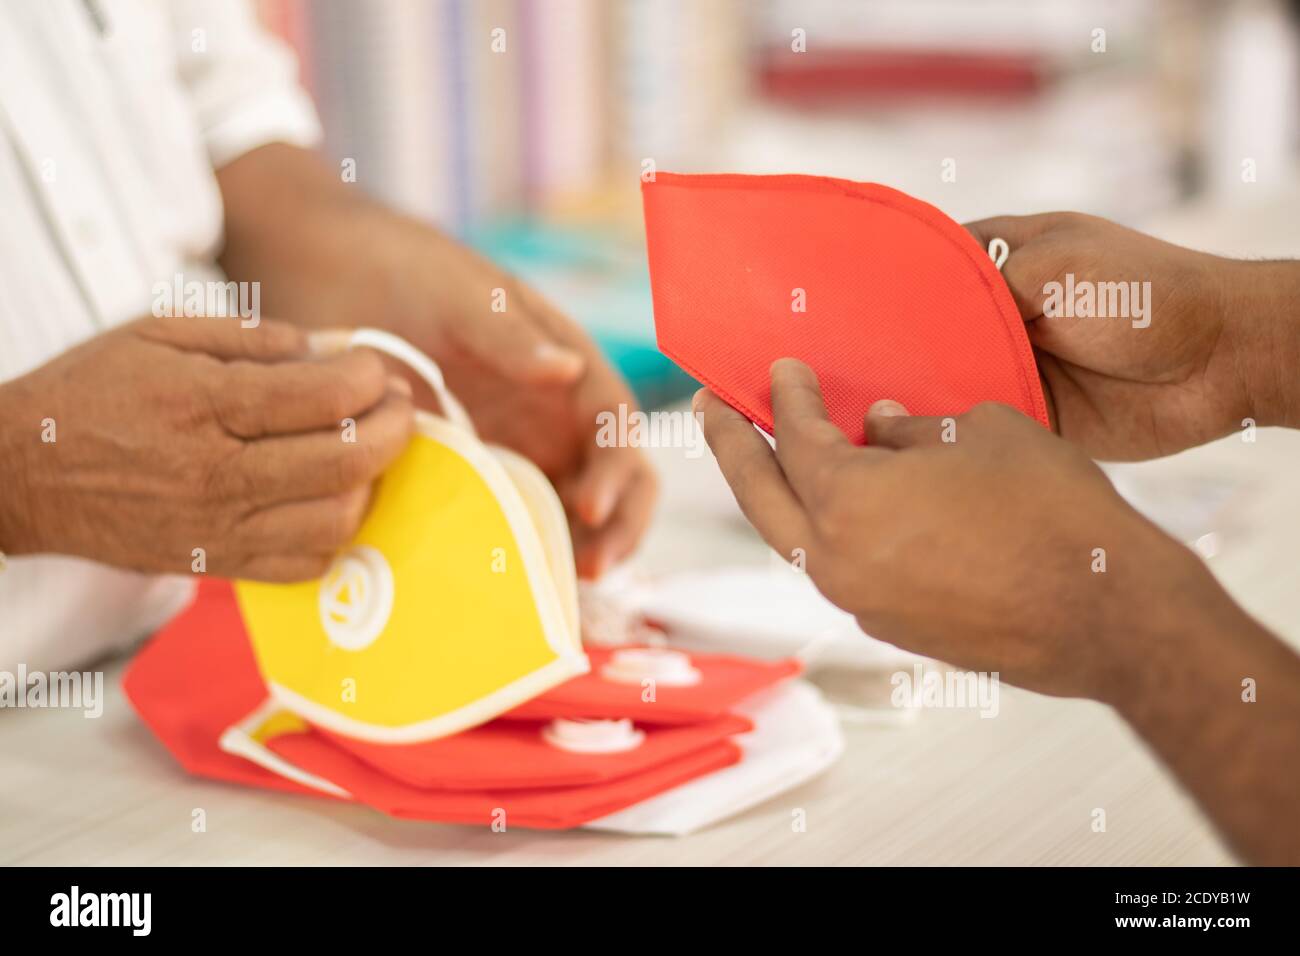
(197, 678)
(724, 681)
(881, 294)
(796, 736)
(544, 808)
(515, 755)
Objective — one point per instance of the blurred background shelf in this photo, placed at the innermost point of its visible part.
(524, 126)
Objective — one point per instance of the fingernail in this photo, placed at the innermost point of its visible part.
(602, 505)
(399, 385)
(328, 341)
(599, 564)
(548, 353)
(697, 400)
(887, 408)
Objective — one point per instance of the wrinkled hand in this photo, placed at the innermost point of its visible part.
(533, 381)
(1182, 368)
(982, 551)
(174, 434)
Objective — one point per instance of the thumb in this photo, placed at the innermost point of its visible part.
(512, 344)
(888, 425)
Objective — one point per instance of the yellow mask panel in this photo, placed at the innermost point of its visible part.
(455, 602)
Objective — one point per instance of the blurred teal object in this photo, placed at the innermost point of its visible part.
(653, 376)
(602, 282)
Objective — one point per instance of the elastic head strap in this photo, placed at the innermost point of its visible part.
(336, 340)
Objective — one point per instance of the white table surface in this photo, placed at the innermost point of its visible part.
(951, 788)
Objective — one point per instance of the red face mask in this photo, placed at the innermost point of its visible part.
(197, 677)
(881, 294)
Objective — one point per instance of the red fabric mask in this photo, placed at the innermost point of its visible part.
(725, 680)
(544, 808)
(898, 301)
(194, 679)
(514, 755)
(197, 677)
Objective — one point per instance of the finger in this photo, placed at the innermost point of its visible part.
(227, 338)
(253, 399)
(286, 568)
(1025, 270)
(1018, 231)
(516, 344)
(600, 387)
(306, 527)
(601, 548)
(806, 439)
(751, 469)
(323, 463)
(596, 490)
(555, 324)
(888, 425)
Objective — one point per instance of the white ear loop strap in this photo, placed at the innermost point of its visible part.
(999, 249)
(332, 341)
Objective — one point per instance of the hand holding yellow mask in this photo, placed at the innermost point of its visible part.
(456, 601)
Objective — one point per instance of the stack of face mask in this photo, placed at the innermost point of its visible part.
(437, 672)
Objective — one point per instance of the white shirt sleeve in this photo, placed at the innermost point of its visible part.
(242, 80)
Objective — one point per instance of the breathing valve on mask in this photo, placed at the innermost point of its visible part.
(633, 665)
(593, 736)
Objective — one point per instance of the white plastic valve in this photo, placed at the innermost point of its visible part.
(593, 736)
(664, 666)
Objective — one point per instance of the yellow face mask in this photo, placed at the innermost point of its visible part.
(456, 601)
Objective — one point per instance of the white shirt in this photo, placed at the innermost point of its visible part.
(113, 116)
